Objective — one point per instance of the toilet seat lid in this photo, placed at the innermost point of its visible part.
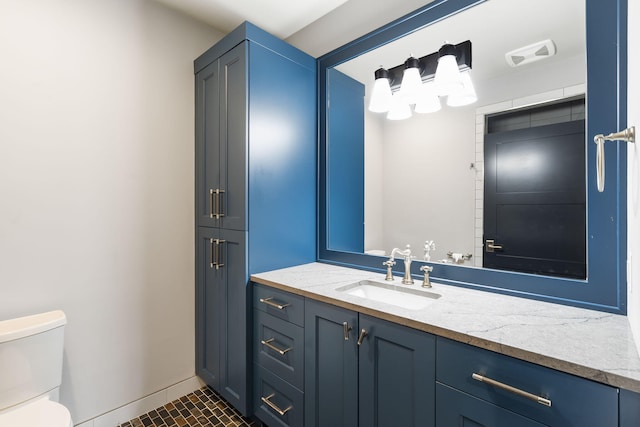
(41, 413)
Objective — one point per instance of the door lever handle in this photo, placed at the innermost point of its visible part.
(491, 246)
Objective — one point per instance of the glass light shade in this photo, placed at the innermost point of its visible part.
(428, 100)
(466, 96)
(380, 101)
(411, 81)
(400, 109)
(447, 76)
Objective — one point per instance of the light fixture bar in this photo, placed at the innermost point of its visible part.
(429, 64)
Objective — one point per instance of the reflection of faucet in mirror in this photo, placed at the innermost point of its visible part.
(406, 280)
(429, 245)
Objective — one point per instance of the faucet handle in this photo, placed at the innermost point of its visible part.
(426, 283)
(389, 264)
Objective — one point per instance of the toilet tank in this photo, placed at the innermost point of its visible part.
(31, 350)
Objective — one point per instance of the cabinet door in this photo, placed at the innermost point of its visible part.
(221, 313)
(209, 287)
(207, 144)
(456, 408)
(233, 137)
(397, 375)
(331, 366)
(233, 313)
(629, 408)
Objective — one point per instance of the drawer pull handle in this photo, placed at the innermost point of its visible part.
(273, 406)
(268, 342)
(503, 386)
(269, 301)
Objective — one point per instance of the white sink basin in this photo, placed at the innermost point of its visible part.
(403, 296)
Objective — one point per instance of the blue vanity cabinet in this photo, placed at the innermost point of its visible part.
(456, 408)
(629, 408)
(465, 392)
(396, 375)
(278, 356)
(255, 167)
(387, 380)
(331, 365)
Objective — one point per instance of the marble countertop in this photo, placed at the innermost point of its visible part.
(590, 344)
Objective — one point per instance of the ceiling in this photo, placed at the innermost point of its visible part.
(281, 18)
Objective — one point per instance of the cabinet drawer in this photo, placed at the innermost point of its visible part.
(282, 304)
(456, 408)
(574, 401)
(279, 347)
(276, 402)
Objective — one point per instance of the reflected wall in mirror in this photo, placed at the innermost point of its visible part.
(423, 177)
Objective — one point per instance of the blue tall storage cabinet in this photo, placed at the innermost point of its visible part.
(255, 189)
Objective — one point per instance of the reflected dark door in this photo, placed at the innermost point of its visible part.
(534, 200)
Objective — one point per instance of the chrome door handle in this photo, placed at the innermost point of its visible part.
(215, 203)
(219, 213)
(346, 328)
(281, 351)
(273, 406)
(363, 333)
(211, 204)
(216, 256)
(539, 399)
(490, 246)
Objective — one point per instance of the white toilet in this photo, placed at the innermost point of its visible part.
(31, 371)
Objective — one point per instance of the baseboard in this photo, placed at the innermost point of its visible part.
(144, 405)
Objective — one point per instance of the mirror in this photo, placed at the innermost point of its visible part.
(439, 156)
(422, 190)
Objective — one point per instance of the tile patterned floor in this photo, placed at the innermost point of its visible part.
(202, 408)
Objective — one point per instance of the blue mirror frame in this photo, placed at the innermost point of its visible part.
(605, 286)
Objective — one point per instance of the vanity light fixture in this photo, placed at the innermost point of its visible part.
(447, 76)
(419, 82)
(428, 100)
(381, 96)
(465, 96)
(400, 108)
(411, 80)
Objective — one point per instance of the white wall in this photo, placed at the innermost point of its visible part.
(96, 188)
(633, 181)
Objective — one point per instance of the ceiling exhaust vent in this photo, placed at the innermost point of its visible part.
(533, 52)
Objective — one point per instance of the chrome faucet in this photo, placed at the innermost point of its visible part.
(406, 280)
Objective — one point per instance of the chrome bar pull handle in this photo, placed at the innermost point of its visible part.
(627, 135)
(539, 399)
(363, 333)
(211, 203)
(212, 250)
(216, 255)
(273, 406)
(346, 328)
(281, 351)
(218, 209)
(270, 302)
